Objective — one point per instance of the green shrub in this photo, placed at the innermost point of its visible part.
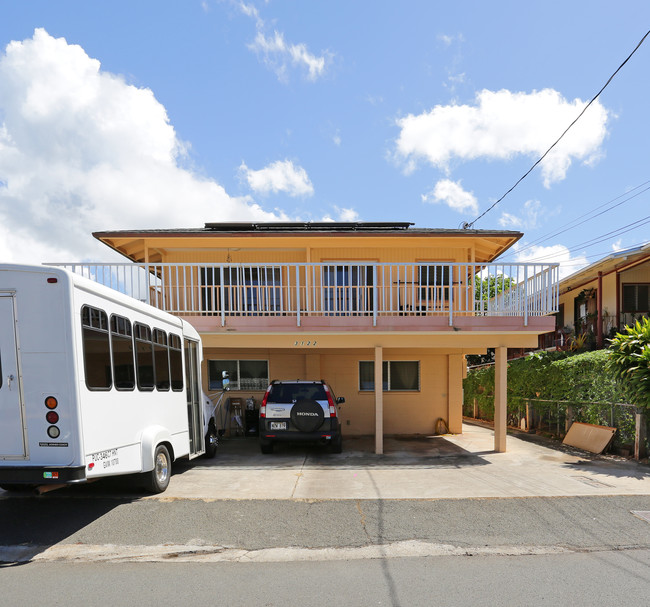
(552, 381)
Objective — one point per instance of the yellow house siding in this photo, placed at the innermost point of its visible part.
(404, 412)
(290, 249)
(609, 296)
(638, 274)
(403, 254)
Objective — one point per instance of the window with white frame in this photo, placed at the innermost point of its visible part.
(397, 375)
(243, 374)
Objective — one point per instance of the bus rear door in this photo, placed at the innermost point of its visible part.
(12, 432)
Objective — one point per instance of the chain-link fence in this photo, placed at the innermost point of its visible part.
(554, 418)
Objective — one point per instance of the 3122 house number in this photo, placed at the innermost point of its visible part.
(311, 342)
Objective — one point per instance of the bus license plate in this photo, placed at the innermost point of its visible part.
(278, 425)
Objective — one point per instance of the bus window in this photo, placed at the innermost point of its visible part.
(122, 346)
(144, 357)
(176, 362)
(97, 352)
(161, 358)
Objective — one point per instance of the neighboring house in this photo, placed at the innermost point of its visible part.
(606, 295)
(358, 304)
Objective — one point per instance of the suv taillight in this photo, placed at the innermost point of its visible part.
(330, 400)
(263, 405)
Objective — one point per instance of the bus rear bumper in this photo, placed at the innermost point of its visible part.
(41, 475)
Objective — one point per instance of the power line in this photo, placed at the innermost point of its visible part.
(585, 218)
(530, 170)
(574, 263)
(598, 239)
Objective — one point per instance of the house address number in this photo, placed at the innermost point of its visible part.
(305, 343)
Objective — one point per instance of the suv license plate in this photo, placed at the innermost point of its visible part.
(278, 425)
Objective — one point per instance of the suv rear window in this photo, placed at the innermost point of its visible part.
(286, 393)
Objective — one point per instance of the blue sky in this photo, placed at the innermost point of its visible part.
(171, 114)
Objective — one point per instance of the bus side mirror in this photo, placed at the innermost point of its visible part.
(225, 380)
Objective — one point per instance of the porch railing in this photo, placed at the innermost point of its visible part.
(335, 289)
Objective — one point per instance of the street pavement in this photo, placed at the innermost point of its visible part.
(425, 497)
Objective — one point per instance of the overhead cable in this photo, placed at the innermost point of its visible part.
(603, 237)
(530, 170)
(582, 219)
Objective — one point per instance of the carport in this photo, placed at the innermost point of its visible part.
(441, 365)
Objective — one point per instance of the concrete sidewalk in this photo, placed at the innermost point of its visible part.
(438, 467)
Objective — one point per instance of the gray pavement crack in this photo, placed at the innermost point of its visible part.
(299, 475)
(362, 516)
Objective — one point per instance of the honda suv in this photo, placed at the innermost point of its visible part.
(300, 411)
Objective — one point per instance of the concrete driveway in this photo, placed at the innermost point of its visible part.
(437, 467)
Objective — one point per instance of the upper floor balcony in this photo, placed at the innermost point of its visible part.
(366, 294)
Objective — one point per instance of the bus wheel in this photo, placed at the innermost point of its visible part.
(158, 478)
(211, 441)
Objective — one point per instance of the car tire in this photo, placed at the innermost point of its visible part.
(211, 441)
(158, 479)
(266, 447)
(307, 415)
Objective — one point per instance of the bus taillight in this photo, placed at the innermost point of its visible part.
(51, 402)
(52, 417)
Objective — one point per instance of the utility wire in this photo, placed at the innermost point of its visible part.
(603, 237)
(585, 218)
(601, 255)
(530, 170)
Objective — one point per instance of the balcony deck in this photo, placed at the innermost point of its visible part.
(341, 296)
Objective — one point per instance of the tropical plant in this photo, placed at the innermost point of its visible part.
(629, 362)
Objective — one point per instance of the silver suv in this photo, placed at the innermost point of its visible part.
(300, 411)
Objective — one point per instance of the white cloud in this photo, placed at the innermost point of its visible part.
(527, 219)
(342, 214)
(616, 246)
(501, 125)
(279, 176)
(278, 54)
(347, 214)
(453, 195)
(553, 254)
(80, 150)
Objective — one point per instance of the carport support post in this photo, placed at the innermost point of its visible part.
(500, 398)
(379, 401)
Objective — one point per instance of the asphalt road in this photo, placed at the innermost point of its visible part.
(577, 579)
(96, 550)
(576, 523)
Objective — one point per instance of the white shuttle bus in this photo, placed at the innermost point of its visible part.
(93, 383)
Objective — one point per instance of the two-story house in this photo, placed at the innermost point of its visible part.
(385, 312)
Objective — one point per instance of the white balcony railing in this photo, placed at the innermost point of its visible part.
(335, 289)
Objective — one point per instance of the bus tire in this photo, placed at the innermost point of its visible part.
(211, 441)
(158, 479)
